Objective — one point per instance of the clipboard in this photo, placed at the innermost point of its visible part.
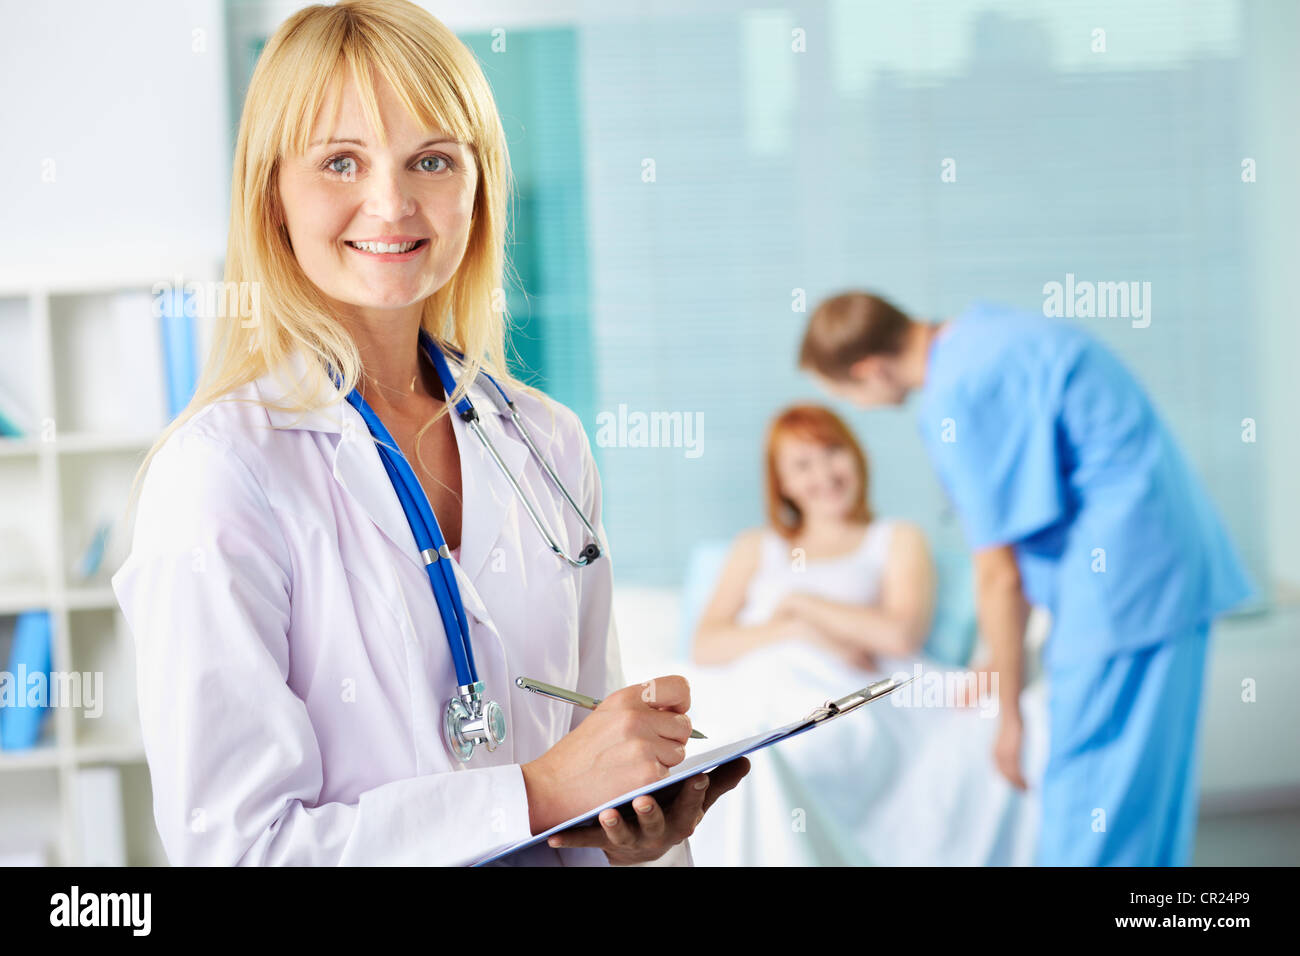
(702, 763)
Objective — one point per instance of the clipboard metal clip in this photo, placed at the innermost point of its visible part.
(864, 696)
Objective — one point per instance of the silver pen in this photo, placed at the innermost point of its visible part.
(572, 697)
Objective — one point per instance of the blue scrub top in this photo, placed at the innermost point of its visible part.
(1045, 441)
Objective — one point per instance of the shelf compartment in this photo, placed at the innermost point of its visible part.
(26, 553)
(109, 375)
(19, 395)
(30, 827)
(94, 487)
(107, 727)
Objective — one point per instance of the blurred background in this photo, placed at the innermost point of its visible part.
(692, 179)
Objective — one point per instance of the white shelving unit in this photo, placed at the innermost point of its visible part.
(85, 359)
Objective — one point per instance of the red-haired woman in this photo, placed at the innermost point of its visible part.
(824, 569)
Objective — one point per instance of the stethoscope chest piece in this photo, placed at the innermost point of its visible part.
(469, 720)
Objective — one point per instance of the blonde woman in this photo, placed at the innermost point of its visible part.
(303, 645)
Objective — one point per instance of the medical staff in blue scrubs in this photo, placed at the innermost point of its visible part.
(1075, 497)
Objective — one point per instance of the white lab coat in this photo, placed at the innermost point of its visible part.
(292, 666)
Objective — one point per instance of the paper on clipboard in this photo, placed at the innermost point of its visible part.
(702, 763)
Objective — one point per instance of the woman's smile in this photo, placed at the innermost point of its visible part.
(388, 248)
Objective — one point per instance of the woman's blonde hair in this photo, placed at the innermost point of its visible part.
(304, 64)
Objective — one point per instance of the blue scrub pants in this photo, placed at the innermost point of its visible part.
(1122, 778)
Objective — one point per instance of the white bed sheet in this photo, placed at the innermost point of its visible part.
(884, 785)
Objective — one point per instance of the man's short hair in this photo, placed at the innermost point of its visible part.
(847, 328)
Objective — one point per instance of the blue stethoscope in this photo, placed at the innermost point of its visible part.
(470, 718)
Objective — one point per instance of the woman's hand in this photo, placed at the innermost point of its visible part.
(790, 607)
(633, 738)
(854, 656)
(794, 608)
(649, 832)
(791, 614)
(793, 625)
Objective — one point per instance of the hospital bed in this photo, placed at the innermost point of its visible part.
(892, 784)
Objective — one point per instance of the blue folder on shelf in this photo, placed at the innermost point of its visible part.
(707, 761)
(20, 724)
(180, 354)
